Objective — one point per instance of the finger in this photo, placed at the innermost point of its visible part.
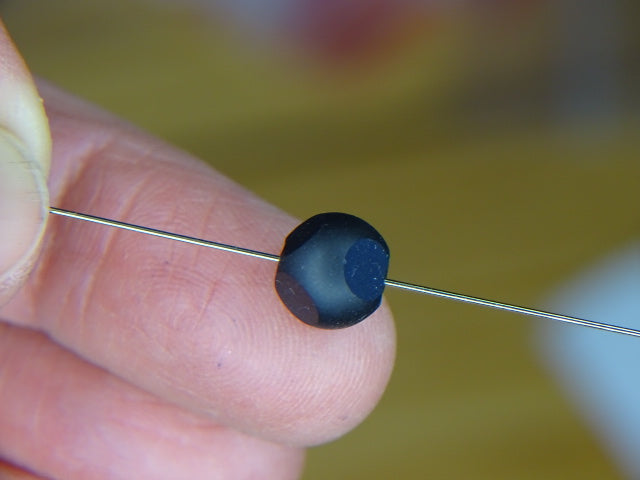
(24, 163)
(200, 328)
(67, 419)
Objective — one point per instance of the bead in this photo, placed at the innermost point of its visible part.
(332, 270)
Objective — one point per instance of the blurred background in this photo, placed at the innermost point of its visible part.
(494, 144)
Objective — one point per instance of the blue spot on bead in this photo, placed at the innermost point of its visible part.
(365, 268)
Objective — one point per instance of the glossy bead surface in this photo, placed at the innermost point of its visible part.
(332, 270)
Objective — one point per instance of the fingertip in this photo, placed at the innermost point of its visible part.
(330, 380)
(25, 150)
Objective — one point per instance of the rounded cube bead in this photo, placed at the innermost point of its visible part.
(332, 270)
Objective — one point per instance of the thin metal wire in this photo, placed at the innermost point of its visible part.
(163, 234)
(513, 308)
(391, 283)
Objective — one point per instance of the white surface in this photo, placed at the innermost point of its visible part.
(600, 370)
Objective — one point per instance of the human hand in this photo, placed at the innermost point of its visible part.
(124, 356)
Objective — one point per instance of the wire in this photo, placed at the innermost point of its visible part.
(391, 283)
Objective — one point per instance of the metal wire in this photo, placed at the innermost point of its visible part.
(512, 308)
(391, 283)
(163, 234)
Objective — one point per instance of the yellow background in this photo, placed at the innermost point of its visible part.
(496, 202)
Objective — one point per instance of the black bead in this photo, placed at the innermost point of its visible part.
(332, 270)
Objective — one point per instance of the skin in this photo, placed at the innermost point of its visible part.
(125, 356)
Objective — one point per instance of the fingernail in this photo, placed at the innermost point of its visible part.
(23, 213)
(25, 155)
